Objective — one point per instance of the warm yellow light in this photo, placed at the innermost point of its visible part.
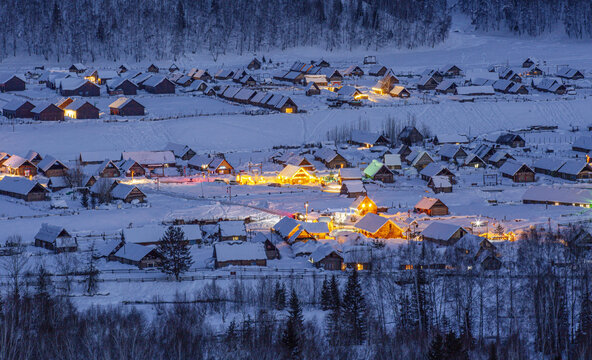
(70, 113)
(359, 267)
(289, 110)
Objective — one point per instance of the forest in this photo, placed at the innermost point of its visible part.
(539, 305)
(85, 30)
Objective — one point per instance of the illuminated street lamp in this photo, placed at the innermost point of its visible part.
(306, 211)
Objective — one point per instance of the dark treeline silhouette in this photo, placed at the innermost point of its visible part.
(162, 29)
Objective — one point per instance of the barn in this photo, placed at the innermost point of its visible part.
(47, 112)
(431, 207)
(159, 84)
(55, 238)
(22, 188)
(78, 87)
(126, 107)
(11, 82)
(80, 109)
(18, 108)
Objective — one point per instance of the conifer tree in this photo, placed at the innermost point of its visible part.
(292, 335)
(92, 273)
(353, 309)
(84, 200)
(174, 249)
(436, 351)
(279, 296)
(325, 296)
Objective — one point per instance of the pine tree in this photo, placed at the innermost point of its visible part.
(175, 252)
(292, 335)
(231, 335)
(43, 283)
(420, 302)
(325, 295)
(492, 352)
(335, 296)
(93, 202)
(56, 18)
(92, 273)
(279, 296)
(84, 200)
(353, 309)
(263, 59)
(436, 351)
(584, 332)
(101, 31)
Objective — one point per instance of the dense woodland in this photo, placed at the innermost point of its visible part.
(539, 305)
(136, 29)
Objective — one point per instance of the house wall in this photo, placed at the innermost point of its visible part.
(50, 114)
(13, 84)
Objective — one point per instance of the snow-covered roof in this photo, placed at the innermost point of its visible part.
(48, 162)
(72, 83)
(133, 252)
(315, 227)
(121, 102)
(548, 164)
(150, 157)
(573, 167)
(14, 104)
(289, 171)
(322, 252)
(432, 169)
(371, 223)
(107, 248)
(392, 160)
(445, 85)
(511, 167)
(357, 254)
(77, 104)
(239, 251)
(200, 161)
(440, 230)
(348, 91)
(285, 226)
(50, 233)
(121, 191)
(326, 154)
(18, 185)
(232, 228)
(304, 248)
(499, 155)
(440, 181)
(354, 186)
(14, 162)
(419, 156)
(178, 149)
(426, 203)
(350, 173)
(583, 142)
(4, 77)
(449, 150)
(475, 90)
(558, 194)
(40, 106)
(154, 80)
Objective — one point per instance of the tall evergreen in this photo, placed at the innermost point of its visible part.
(174, 248)
(436, 351)
(292, 335)
(325, 295)
(92, 272)
(279, 296)
(353, 310)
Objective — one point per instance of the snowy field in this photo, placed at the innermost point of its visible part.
(209, 124)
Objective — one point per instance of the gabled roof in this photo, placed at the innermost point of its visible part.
(77, 104)
(322, 252)
(354, 186)
(548, 164)
(150, 157)
(427, 203)
(433, 169)
(350, 173)
(452, 139)
(373, 168)
(122, 102)
(583, 142)
(19, 185)
(573, 167)
(440, 230)
(365, 137)
(42, 106)
(239, 251)
(14, 104)
(48, 162)
(49, 233)
(286, 226)
(178, 149)
(232, 228)
(134, 252)
(155, 80)
(290, 170)
(420, 155)
(127, 164)
(440, 181)
(451, 150)
(475, 90)
(512, 167)
(15, 162)
(372, 223)
(392, 160)
(326, 154)
(121, 191)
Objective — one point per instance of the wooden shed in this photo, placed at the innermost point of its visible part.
(126, 107)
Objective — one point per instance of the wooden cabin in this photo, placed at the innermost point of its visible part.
(11, 83)
(126, 107)
(47, 112)
(18, 109)
(81, 109)
(518, 172)
(378, 227)
(431, 207)
(22, 188)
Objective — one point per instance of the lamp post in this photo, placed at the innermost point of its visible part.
(306, 211)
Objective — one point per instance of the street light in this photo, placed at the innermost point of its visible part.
(306, 211)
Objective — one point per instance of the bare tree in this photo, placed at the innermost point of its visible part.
(15, 263)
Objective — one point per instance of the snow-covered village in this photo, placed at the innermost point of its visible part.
(286, 197)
